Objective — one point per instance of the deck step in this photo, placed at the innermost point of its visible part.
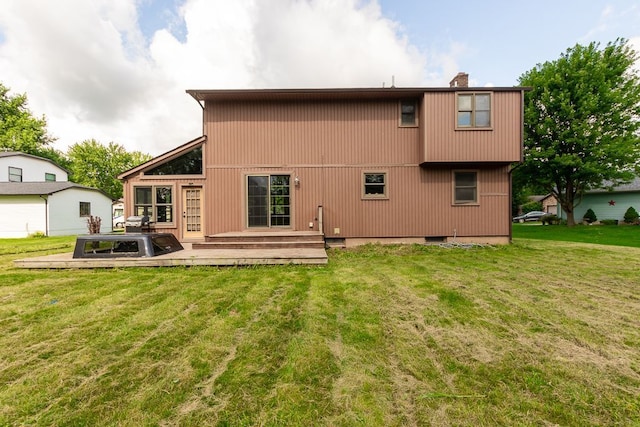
(260, 244)
(263, 240)
(266, 237)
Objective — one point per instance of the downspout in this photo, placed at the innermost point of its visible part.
(520, 163)
(46, 214)
(511, 169)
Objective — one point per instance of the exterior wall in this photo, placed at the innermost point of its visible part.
(420, 202)
(177, 184)
(550, 205)
(599, 202)
(308, 133)
(22, 216)
(328, 146)
(64, 211)
(443, 143)
(33, 170)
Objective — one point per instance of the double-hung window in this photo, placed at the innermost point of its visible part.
(374, 185)
(15, 174)
(154, 201)
(473, 110)
(465, 191)
(408, 113)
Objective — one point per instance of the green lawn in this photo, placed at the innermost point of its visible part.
(621, 235)
(533, 333)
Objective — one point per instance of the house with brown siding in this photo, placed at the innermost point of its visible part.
(356, 165)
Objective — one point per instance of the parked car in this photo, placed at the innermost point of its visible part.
(118, 221)
(529, 216)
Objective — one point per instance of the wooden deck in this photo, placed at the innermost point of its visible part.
(186, 257)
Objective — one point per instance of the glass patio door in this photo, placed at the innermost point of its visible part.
(268, 201)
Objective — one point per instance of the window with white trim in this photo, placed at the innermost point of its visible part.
(154, 201)
(15, 174)
(473, 110)
(465, 189)
(374, 185)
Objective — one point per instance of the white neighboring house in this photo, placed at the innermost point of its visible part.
(36, 197)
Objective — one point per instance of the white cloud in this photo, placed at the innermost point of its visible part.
(87, 67)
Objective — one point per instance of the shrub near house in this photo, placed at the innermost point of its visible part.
(631, 216)
(590, 216)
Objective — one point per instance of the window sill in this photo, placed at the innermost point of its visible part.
(374, 198)
(465, 204)
(163, 225)
(462, 128)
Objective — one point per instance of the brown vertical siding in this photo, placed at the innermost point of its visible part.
(419, 203)
(275, 133)
(443, 143)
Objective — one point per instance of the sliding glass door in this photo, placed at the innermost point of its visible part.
(268, 201)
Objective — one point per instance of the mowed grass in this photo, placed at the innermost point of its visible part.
(618, 235)
(534, 333)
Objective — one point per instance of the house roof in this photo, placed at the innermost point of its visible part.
(40, 188)
(631, 186)
(324, 94)
(21, 154)
(169, 155)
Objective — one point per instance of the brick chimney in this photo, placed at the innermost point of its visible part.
(460, 80)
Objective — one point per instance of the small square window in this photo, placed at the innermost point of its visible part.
(51, 177)
(408, 113)
(465, 188)
(85, 209)
(375, 185)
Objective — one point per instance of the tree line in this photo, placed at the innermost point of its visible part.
(89, 162)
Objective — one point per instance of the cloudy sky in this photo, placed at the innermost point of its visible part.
(117, 70)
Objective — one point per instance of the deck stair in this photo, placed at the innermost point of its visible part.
(263, 240)
(280, 247)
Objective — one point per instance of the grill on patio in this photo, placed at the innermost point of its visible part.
(137, 224)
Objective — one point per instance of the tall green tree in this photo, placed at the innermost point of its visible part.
(581, 121)
(96, 165)
(21, 131)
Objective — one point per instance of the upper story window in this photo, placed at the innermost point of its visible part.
(473, 110)
(50, 177)
(156, 202)
(375, 185)
(465, 191)
(408, 113)
(189, 163)
(15, 174)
